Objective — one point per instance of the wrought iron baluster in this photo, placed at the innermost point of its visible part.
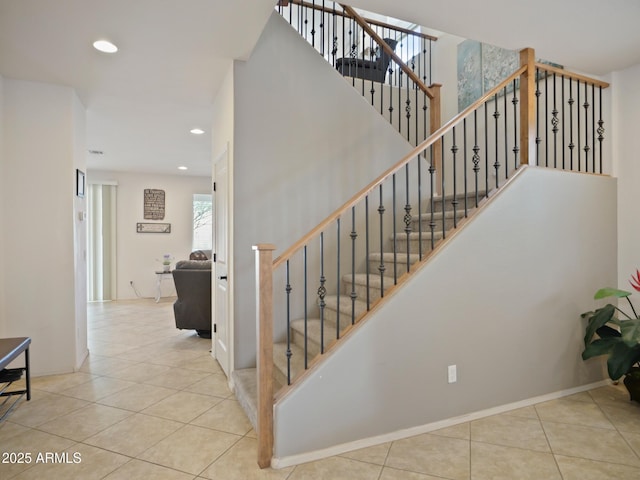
(476, 157)
(600, 130)
(454, 151)
(407, 217)
(496, 116)
(486, 148)
(366, 239)
(432, 206)
(554, 124)
(466, 166)
(506, 141)
(338, 279)
(395, 233)
(586, 147)
(313, 24)
(419, 207)
(306, 308)
(578, 120)
(546, 115)
(322, 292)
(382, 267)
(571, 144)
(353, 236)
(563, 126)
(538, 139)
(516, 143)
(288, 353)
(443, 185)
(593, 126)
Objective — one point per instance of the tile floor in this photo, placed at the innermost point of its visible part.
(151, 403)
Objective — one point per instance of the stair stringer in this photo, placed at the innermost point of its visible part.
(526, 264)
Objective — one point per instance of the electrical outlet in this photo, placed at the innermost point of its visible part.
(452, 371)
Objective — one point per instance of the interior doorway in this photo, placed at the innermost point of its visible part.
(101, 243)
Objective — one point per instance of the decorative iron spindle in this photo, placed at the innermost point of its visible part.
(419, 207)
(322, 292)
(538, 93)
(454, 151)
(353, 236)
(554, 124)
(476, 157)
(506, 141)
(516, 143)
(571, 144)
(546, 124)
(578, 120)
(381, 267)
(432, 223)
(496, 116)
(366, 239)
(288, 353)
(465, 165)
(338, 279)
(407, 217)
(586, 147)
(306, 308)
(600, 130)
(395, 233)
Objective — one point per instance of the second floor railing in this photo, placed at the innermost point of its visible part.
(390, 65)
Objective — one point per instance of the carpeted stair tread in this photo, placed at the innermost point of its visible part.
(331, 302)
(388, 257)
(374, 279)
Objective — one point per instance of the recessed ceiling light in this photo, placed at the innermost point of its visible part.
(197, 131)
(182, 167)
(105, 46)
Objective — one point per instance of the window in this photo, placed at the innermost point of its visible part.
(202, 222)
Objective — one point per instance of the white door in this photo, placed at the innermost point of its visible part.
(222, 339)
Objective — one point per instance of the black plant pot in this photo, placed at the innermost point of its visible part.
(632, 382)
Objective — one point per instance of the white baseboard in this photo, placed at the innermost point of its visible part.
(282, 462)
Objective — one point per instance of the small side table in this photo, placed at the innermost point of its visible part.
(160, 275)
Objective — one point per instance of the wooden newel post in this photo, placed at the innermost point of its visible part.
(435, 122)
(528, 108)
(264, 328)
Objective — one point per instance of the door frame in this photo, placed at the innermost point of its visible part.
(230, 270)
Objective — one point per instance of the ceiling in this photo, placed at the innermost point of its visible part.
(142, 101)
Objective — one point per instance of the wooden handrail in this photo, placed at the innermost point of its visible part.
(405, 68)
(378, 23)
(435, 137)
(571, 75)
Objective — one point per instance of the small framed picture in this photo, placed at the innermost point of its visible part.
(80, 183)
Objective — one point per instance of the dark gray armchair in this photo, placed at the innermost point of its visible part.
(192, 309)
(375, 70)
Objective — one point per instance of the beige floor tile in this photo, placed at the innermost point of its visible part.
(135, 435)
(395, 474)
(376, 454)
(98, 365)
(510, 431)
(581, 469)
(176, 378)
(44, 407)
(140, 372)
(226, 416)
(336, 468)
(32, 442)
(58, 383)
(524, 412)
(137, 469)
(624, 418)
(214, 384)
(85, 422)
(461, 431)
(633, 439)
(137, 397)
(203, 363)
(613, 396)
(9, 429)
(580, 397)
(239, 463)
(190, 449)
(182, 406)
(494, 462)
(97, 388)
(108, 349)
(576, 413)
(80, 462)
(431, 455)
(590, 443)
(174, 358)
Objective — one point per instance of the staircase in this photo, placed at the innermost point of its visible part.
(351, 303)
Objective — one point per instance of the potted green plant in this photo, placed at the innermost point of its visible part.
(618, 337)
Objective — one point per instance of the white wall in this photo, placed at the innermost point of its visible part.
(43, 136)
(624, 132)
(305, 141)
(502, 302)
(139, 255)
